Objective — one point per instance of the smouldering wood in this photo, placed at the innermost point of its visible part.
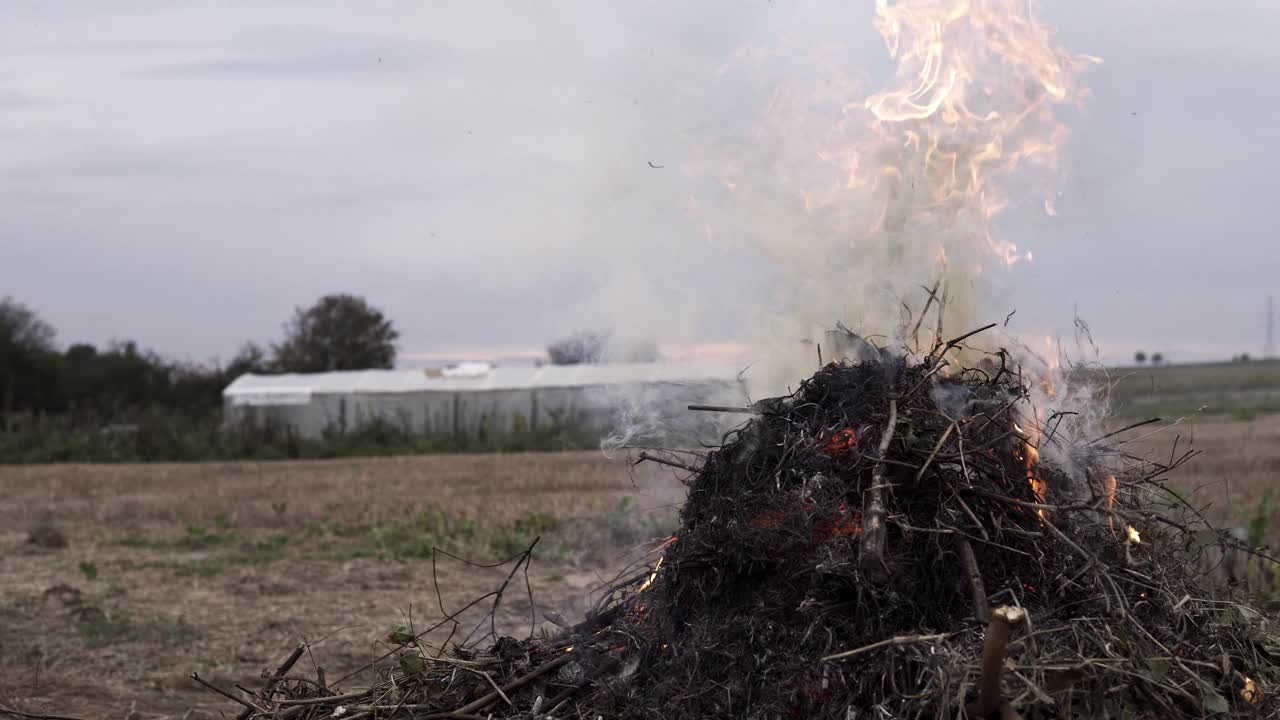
(663, 461)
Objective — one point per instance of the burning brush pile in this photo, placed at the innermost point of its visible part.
(896, 539)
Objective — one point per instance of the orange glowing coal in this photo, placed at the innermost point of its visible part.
(842, 442)
(842, 524)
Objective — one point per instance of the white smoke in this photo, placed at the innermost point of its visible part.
(803, 194)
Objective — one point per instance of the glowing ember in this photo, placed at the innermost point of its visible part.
(842, 525)
(1134, 537)
(1111, 501)
(842, 442)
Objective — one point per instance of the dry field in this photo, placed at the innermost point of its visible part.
(1238, 465)
(222, 568)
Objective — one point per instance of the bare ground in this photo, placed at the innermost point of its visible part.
(224, 568)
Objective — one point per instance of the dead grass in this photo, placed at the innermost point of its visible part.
(293, 495)
(46, 536)
(1238, 465)
(1242, 391)
(222, 568)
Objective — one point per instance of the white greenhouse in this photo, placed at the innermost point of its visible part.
(473, 399)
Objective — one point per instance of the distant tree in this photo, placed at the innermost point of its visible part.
(582, 347)
(1140, 357)
(1244, 357)
(1157, 358)
(338, 332)
(251, 358)
(26, 346)
(591, 346)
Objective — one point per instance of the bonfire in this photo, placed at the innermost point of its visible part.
(911, 533)
(896, 538)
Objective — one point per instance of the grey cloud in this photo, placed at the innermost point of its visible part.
(111, 163)
(186, 174)
(12, 99)
(267, 53)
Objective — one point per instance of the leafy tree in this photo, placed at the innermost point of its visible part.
(338, 332)
(1157, 359)
(1140, 357)
(26, 348)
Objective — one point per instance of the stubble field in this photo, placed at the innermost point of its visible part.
(223, 568)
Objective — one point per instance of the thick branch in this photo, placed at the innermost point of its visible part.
(1003, 620)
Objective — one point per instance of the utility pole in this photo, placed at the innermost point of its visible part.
(1269, 351)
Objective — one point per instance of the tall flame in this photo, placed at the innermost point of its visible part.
(909, 180)
(979, 80)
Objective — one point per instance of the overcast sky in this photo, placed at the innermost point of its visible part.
(184, 174)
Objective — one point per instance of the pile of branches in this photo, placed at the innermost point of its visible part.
(897, 538)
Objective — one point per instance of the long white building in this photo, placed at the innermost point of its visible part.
(471, 399)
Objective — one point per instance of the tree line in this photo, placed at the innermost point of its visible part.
(117, 382)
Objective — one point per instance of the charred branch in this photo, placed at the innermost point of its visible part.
(874, 531)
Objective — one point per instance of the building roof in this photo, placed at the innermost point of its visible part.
(298, 387)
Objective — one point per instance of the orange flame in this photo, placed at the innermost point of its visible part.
(979, 82)
(653, 576)
(1111, 501)
(1029, 452)
(905, 183)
